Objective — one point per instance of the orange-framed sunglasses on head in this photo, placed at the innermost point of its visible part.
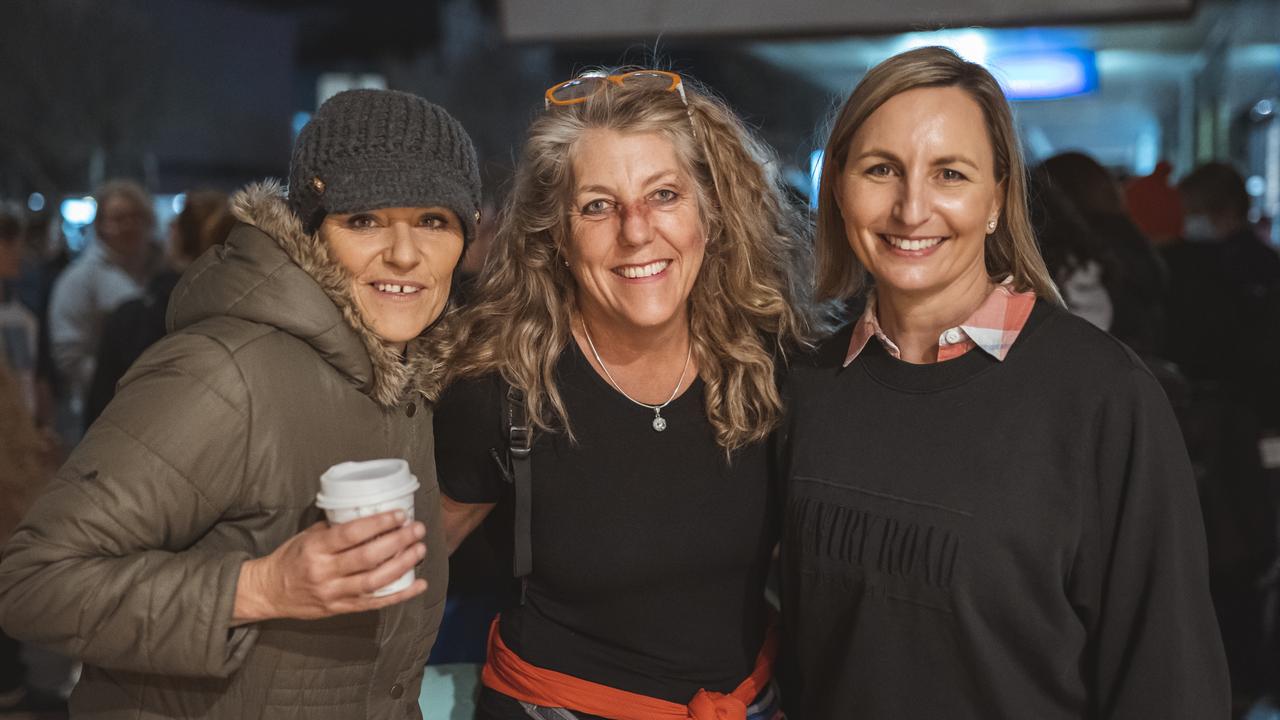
(577, 90)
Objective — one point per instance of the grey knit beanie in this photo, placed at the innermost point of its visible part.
(372, 149)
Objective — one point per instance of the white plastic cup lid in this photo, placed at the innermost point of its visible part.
(351, 484)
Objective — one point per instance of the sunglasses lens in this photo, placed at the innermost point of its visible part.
(576, 89)
(655, 80)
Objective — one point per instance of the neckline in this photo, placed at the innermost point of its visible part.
(600, 383)
(876, 361)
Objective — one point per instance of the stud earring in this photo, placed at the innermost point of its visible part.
(991, 227)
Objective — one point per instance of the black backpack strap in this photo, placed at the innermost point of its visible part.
(519, 448)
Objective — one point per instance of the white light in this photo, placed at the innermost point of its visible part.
(179, 202)
(1256, 185)
(1264, 108)
(35, 202)
(968, 44)
(79, 211)
(815, 176)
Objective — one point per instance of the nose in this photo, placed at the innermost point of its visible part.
(636, 229)
(401, 253)
(912, 206)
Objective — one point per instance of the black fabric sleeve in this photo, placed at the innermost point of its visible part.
(468, 432)
(1155, 649)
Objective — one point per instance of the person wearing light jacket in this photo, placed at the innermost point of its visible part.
(179, 552)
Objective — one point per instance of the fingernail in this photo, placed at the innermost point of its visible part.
(421, 550)
(399, 516)
(419, 530)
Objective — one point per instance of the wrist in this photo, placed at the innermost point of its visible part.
(251, 603)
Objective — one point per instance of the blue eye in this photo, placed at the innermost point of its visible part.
(666, 195)
(596, 207)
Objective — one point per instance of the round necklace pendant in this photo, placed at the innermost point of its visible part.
(659, 423)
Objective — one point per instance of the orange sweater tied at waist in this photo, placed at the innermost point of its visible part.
(507, 673)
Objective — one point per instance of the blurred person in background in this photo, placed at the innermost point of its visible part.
(205, 221)
(26, 464)
(1225, 299)
(19, 329)
(179, 552)
(989, 510)
(647, 282)
(116, 266)
(26, 453)
(45, 257)
(1136, 280)
(1226, 284)
(1077, 259)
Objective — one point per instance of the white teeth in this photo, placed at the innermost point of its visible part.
(643, 271)
(908, 244)
(396, 289)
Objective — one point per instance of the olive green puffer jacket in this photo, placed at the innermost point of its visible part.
(210, 455)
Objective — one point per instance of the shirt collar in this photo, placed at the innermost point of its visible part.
(993, 327)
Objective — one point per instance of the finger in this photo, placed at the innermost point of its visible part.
(350, 534)
(373, 553)
(368, 602)
(367, 582)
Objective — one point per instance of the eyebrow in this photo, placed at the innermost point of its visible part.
(661, 174)
(944, 160)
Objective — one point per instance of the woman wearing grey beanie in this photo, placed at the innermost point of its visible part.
(179, 553)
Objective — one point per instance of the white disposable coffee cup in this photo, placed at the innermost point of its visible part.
(351, 490)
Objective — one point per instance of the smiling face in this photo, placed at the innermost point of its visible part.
(919, 193)
(636, 241)
(401, 262)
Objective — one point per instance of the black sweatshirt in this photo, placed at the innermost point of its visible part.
(986, 539)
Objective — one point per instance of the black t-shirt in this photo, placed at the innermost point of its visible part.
(650, 549)
(985, 539)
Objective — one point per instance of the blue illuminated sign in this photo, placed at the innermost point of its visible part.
(1046, 75)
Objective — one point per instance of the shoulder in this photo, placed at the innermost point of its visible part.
(72, 281)
(1068, 348)
(210, 353)
(472, 402)
(827, 355)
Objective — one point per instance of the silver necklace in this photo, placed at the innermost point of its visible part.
(659, 422)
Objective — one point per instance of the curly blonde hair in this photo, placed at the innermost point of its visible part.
(750, 305)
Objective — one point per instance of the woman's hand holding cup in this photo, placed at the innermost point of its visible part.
(332, 570)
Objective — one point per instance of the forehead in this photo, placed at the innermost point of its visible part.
(931, 120)
(602, 155)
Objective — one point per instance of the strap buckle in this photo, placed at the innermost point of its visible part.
(519, 437)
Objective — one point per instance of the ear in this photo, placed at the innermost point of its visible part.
(997, 203)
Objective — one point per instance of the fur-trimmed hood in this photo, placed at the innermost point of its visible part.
(270, 271)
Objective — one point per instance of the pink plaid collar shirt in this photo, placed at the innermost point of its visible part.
(993, 327)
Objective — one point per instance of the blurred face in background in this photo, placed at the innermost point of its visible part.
(401, 263)
(123, 225)
(636, 241)
(918, 192)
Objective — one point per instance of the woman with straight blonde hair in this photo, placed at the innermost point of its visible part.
(647, 281)
(989, 510)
